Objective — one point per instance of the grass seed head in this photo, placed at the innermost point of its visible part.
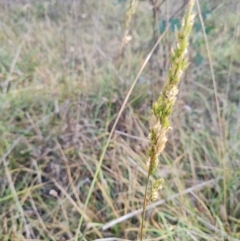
(163, 107)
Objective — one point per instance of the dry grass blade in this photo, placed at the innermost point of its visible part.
(66, 81)
(15, 142)
(27, 228)
(113, 129)
(160, 202)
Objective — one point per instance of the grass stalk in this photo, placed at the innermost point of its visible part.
(144, 206)
(163, 107)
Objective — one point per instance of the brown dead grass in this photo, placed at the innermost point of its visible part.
(61, 92)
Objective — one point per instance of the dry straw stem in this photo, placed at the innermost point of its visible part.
(163, 107)
(130, 11)
(126, 37)
(112, 131)
(158, 203)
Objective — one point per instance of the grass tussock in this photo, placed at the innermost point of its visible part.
(63, 83)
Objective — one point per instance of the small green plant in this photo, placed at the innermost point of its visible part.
(163, 107)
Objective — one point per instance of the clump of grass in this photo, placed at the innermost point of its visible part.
(163, 107)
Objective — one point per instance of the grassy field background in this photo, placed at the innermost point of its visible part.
(63, 80)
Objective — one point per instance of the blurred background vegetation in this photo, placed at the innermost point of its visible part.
(65, 70)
